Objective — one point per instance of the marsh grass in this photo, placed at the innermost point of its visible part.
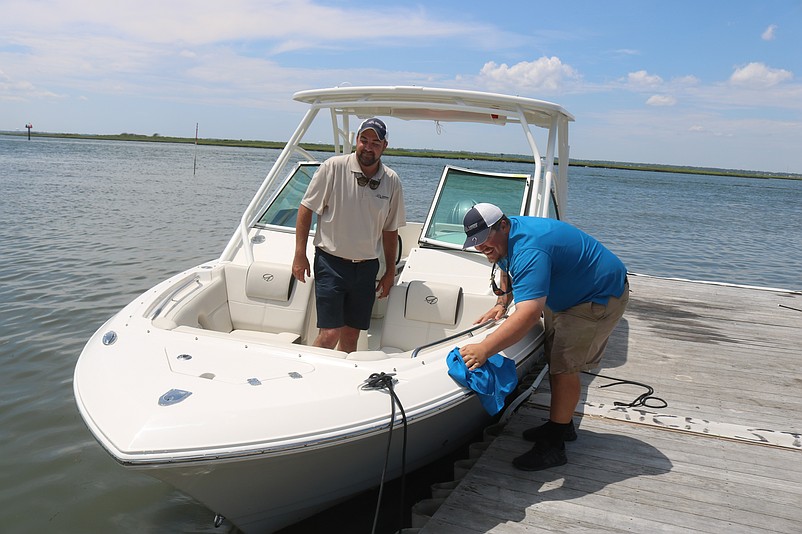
(157, 138)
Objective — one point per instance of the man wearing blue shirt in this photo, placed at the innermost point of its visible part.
(552, 268)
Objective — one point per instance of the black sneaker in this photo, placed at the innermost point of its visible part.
(541, 456)
(538, 433)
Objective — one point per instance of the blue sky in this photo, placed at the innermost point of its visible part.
(713, 83)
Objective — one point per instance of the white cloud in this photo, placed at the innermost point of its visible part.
(759, 75)
(768, 35)
(699, 129)
(544, 74)
(284, 24)
(686, 80)
(19, 90)
(151, 46)
(661, 100)
(642, 78)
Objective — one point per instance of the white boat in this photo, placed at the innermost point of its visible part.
(208, 381)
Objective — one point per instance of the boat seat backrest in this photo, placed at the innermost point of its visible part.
(420, 312)
(264, 297)
(432, 302)
(269, 281)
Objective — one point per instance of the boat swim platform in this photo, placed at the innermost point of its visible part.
(725, 454)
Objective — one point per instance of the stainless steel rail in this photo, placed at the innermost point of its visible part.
(468, 331)
(163, 302)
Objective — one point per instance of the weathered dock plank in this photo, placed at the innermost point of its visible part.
(724, 455)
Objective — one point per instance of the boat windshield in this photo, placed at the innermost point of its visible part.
(459, 190)
(283, 209)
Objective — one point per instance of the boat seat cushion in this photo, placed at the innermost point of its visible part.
(271, 281)
(264, 304)
(281, 338)
(267, 337)
(432, 302)
(421, 312)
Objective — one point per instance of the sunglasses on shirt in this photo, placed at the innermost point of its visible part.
(363, 180)
(497, 290)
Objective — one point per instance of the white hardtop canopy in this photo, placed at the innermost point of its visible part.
(426, 103)
(414, 103)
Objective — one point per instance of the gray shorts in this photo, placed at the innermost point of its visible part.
(576, 337)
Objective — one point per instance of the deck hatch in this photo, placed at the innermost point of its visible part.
(174, 396)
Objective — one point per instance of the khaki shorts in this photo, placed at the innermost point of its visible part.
(576, 337)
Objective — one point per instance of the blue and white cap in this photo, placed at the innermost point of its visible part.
(477, 223)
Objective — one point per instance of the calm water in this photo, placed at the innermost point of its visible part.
(85, 226)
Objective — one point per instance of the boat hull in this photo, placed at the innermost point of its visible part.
(270, 451)
(269, 491)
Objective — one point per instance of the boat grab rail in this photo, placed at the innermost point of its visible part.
(163, 302)
(466, 332)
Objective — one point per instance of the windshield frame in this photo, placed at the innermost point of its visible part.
(459, 190)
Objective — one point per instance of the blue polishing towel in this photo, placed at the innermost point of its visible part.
(492, 382)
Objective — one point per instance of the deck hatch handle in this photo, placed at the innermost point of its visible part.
(174, 396)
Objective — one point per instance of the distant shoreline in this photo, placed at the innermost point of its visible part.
(155, 138)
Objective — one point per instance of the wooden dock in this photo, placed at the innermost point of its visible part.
(725, 455)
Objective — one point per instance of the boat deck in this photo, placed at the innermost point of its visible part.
(725, 455)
